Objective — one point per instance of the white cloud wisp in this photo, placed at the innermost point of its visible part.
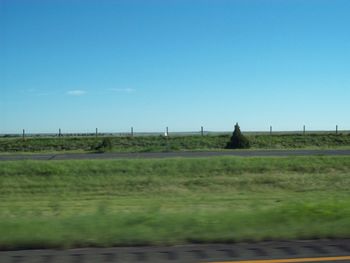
(76, 92)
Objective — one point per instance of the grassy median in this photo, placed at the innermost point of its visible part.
(173, 143)
(171, 201)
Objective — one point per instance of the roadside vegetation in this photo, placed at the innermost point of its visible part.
(171, 143)
(64, 204)
(238, 140)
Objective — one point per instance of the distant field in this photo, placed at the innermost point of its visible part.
(143, 202)
(173, 143)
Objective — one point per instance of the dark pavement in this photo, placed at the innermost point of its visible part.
(194, 154)
(264, 252)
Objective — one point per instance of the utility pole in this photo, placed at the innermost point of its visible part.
(23, 134)
(202, 131)
(132, 131)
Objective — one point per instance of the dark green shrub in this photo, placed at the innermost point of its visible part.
(238, 140)
(105, 145)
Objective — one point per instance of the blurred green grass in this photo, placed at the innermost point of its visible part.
(172, 201)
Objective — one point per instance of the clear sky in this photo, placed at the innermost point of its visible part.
(78, 65)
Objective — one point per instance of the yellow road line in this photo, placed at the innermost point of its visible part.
(290, 260)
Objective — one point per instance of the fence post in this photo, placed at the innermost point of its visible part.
(23, 134)
(132, 131)
(167, 139)
(336, 129)
(202, 131)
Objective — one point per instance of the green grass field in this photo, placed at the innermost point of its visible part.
(171, 201)
(176, 143)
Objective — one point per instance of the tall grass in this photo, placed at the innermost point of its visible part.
(139, 202)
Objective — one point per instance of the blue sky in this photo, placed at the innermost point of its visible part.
(78, 65)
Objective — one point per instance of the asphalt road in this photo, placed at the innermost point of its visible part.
(242, 153)
(265, 252)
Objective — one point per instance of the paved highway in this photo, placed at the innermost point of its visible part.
(242, 153)
(324, 251)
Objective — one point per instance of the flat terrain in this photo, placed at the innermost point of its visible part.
(173, 143)
(81, 203)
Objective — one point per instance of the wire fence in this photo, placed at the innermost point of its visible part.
(167, 132)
